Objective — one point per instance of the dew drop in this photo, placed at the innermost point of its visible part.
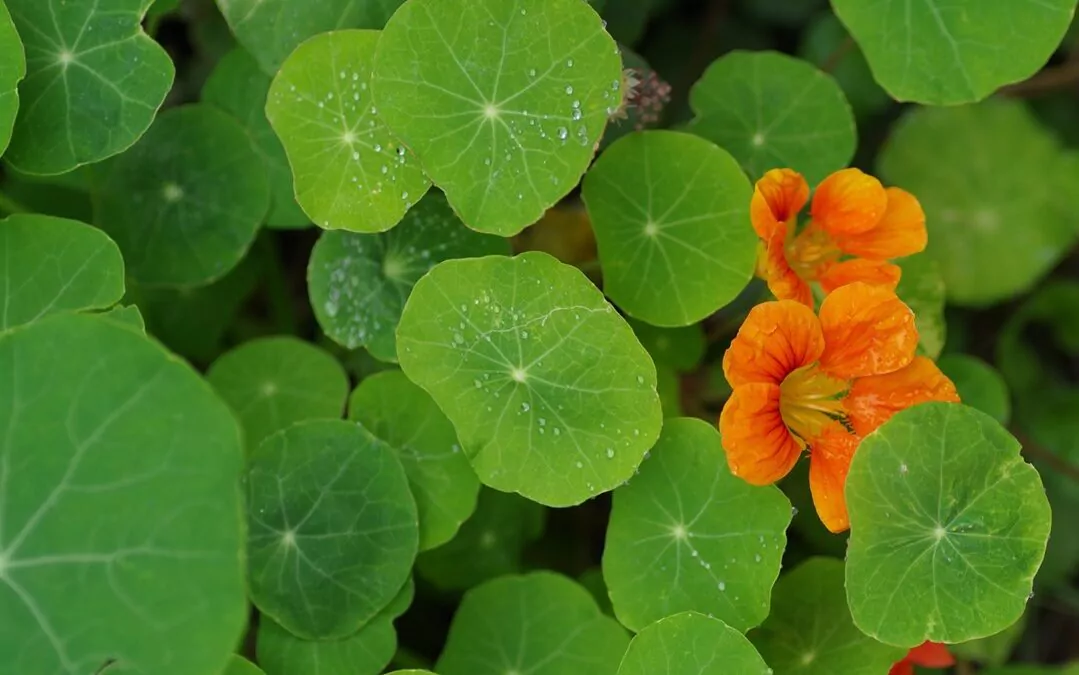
(569, 89)
(563, 133)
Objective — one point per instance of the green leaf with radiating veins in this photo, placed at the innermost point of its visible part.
(350, 172)
(687, 535)
(488, 545)
(127, 315)
(238, 665)
(272, 29)
(274, 382)
(364, 653)
(921, 287)
(551, 394)
(948, 527)
(358, 283)
(810, 630)
(12, 70)
(394, 409)
(691, 644)
(541, 623)
(52, 265)
(184, 204)
(94, 82)
(332, 528)
(979, 385)
(999, 219)
(503, 101)
(771, 110)
(238, 87)
(671, 217)
(944, 52)
(118, 486)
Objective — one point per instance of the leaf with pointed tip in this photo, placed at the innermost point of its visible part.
(691, 644)
(551, 394)
(94, 82)
(503, 102)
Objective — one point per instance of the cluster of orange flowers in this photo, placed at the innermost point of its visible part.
(820, 382)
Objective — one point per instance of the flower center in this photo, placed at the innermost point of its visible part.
(811, 252)
(809, 399)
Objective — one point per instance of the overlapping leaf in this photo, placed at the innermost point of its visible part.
(691, 644)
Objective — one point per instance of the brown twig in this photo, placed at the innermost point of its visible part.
(1041, 454)
(841, 50)
(1057, 77)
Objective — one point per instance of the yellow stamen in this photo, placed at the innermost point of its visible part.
(809, 399)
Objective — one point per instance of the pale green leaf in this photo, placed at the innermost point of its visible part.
(691, 644)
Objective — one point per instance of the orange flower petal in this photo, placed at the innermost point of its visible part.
(772, 266)
(900, 232)
(760, 449)
(776, 339)
(931, 655)
(903, 667)
(812, 252)
(849, 202)
(867, 331)
(873, 400)
(873, 272)
(829, 462)
(778, 197)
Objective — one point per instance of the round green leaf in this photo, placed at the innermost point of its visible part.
(691, 644)
(687, 535)
(921, 287)
(997, 224)
(272, 383)
(364, 653)
(948, 527)
(541, 623)
(94, 82)
(443, 483)
(680, 348)
(128, 315)
(186, 201)
(488, 545)
(12, 70)
(52, 265)
(810, 630)
(272, 29)
(770, 110)
(671, 217)
(118, 488)
(994, 650)
(350, 172)
(502, 101)
(332, 528)
(358, 283)
(238, 665)
(238, 87)
(944, 52)
(979, 384)
(549, 391)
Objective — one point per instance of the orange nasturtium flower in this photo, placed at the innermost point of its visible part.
(926, 655)
(821, 384)
(856, 226)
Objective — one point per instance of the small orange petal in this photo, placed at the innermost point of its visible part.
(873, 272)
(849, 202)
(873, 400)
(900, 232)
(777, 198)
(931, 655)
(829, 462)
(776, 339)
(760, 449)
(772, 266)
(867, 331)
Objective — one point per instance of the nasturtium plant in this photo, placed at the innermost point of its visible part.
(687, 535)
(945, 52)
(358, 283)
(332, 528)
(185, 203)
(948, 527)
(541, 623)
(770, 110)
(274, 382)
(538, 337)
(119, 468)
(669, 212)
(551, 394)
(502, 101)
(53, 264)
(94, 81)
(689, 643)
(350, 171)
